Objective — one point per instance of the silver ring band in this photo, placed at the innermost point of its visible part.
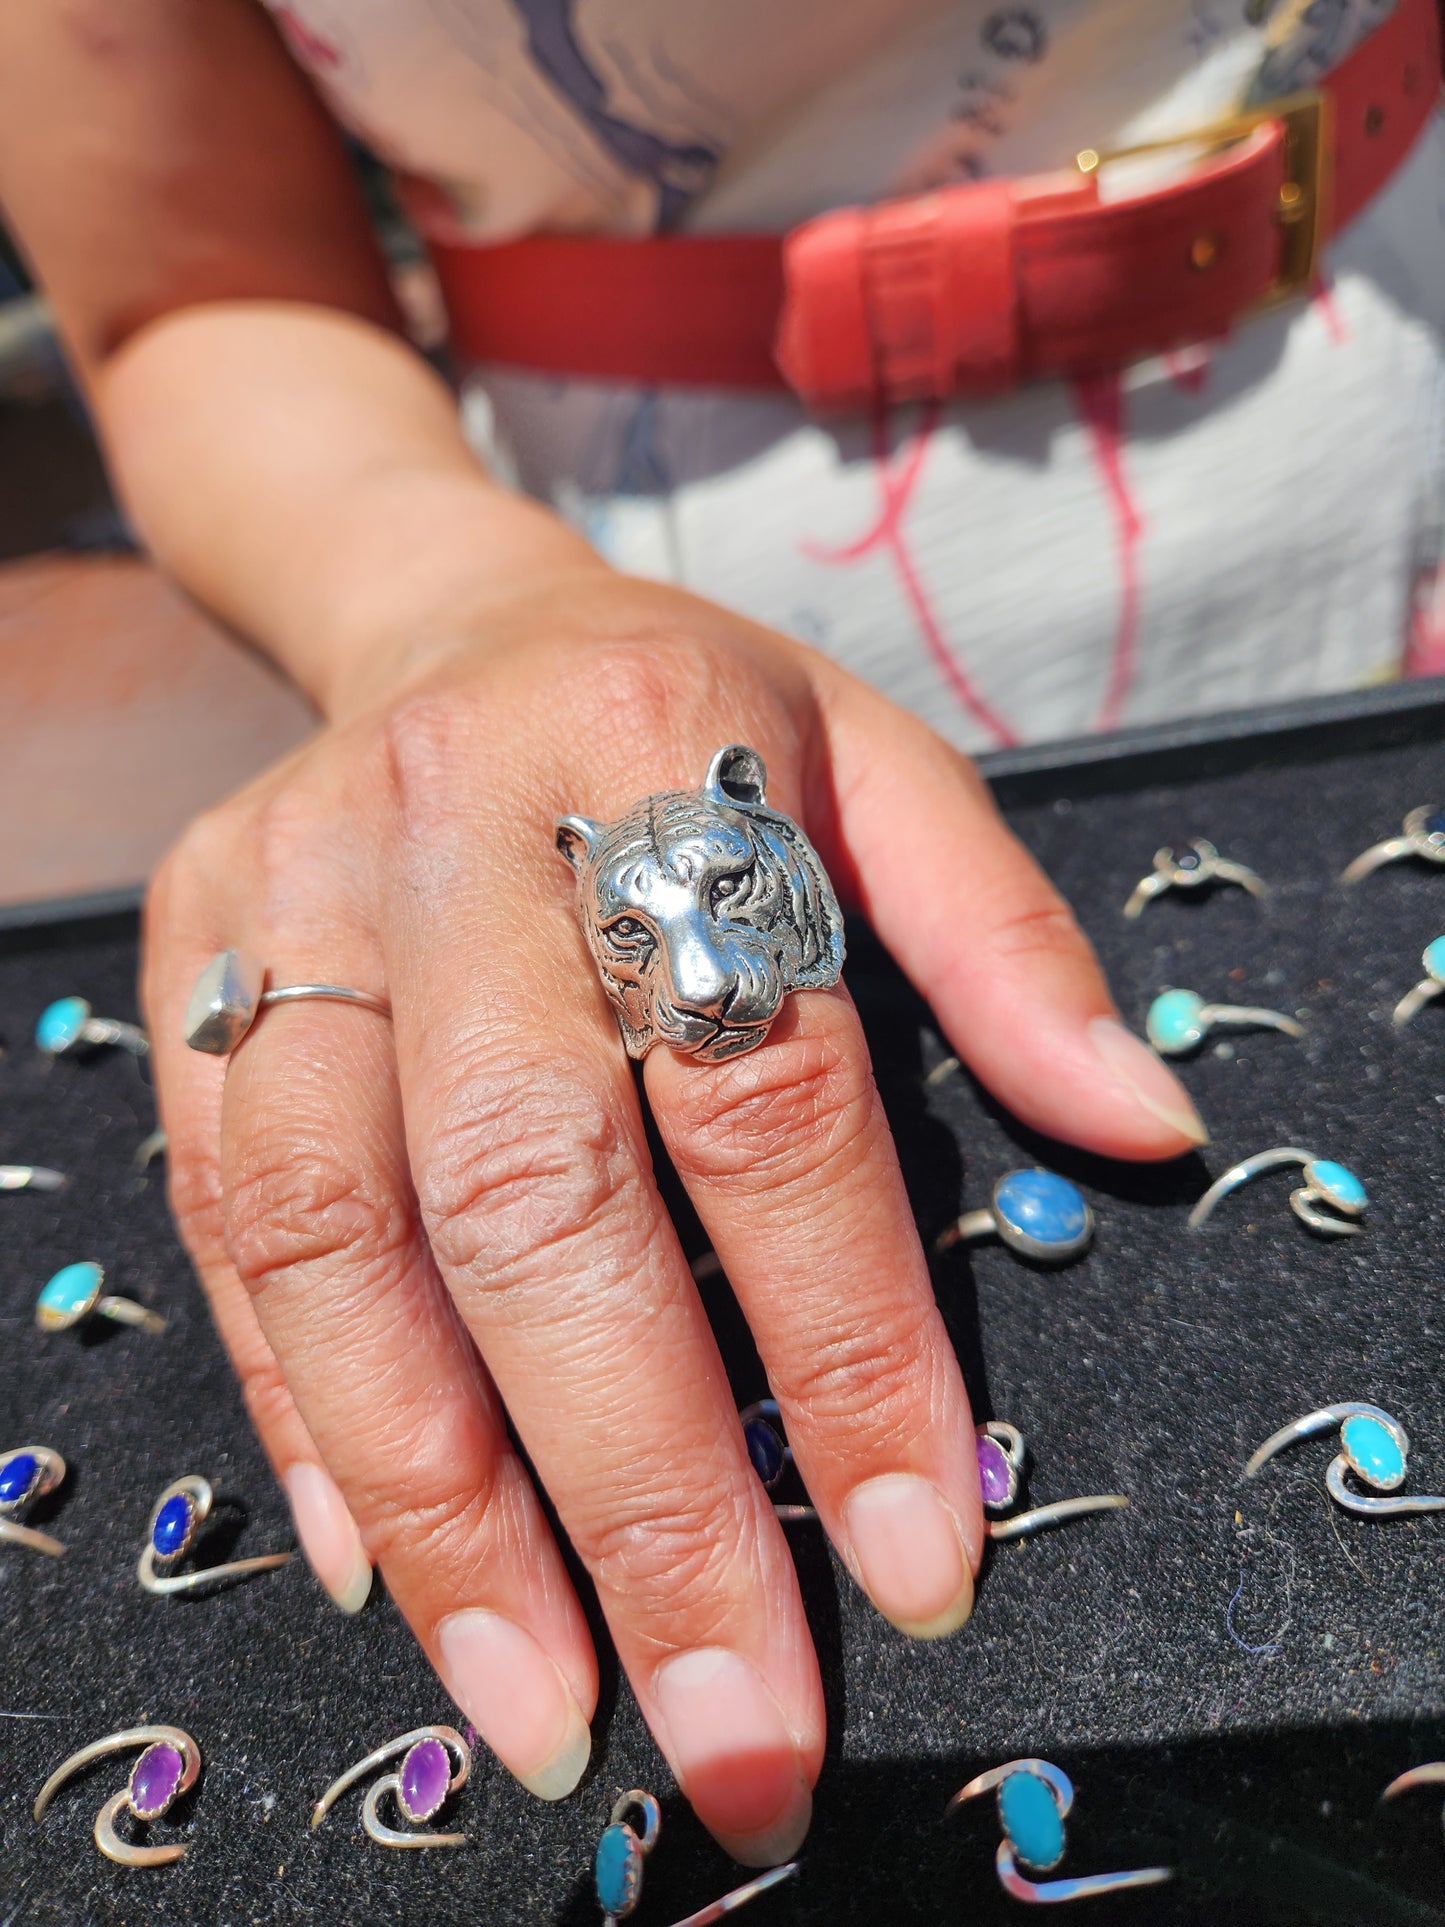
(228, 998)
(336, 993)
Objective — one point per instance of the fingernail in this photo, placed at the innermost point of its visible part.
(328, 1535)
(734, 1755)
(909, 1554)
(1154, 1085)
(517, 1700)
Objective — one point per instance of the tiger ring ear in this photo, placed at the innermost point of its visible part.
(736, 775)
(577, 839)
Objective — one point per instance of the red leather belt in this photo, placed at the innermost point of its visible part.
(967, 290)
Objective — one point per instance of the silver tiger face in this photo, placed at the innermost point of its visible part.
(703, 909)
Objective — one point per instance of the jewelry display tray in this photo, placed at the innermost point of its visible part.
(1229, 1673)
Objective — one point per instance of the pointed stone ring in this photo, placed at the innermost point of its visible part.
(1200, 864)
(1422, 835)
(421, 1786)
(27, 1474)
(1179, 1020)
(1035, 1213)
(1326, 1183)
(229, 996)
(1430, 985)
(168, 1768)
(176, 1517)
(1373, 1446)
(1001, 1457)
(1034, 1799)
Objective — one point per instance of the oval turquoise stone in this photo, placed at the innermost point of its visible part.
(70, 1290)
(1434, 959)
(1340, 1182)
(173, 1526)
(1371, 1450)
(1173, 1021)
(61, 1023)
(17, 1475)
(1029, 1815)
(1042, 1206)
(618, 1870)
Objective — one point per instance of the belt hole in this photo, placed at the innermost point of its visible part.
(1290, 204)
(1374, 120)
(1203, 251)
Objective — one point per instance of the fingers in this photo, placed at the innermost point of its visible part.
(530, 1159)
(182, 933)
(322, 1227)
(988, 940)
(787, 1155)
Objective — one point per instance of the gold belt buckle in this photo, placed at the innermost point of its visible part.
(1302, 208)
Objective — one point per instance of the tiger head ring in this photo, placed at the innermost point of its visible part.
(703, 909)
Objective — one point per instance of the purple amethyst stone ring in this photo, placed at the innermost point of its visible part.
(1001, 1455)
(421, 1786)
(169, 1767)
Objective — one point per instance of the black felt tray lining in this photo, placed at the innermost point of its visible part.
(1230, 1674)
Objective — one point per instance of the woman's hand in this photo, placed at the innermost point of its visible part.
(405, 1227)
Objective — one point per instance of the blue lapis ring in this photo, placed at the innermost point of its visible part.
(1036, 1213)
(69, 1025)
(27, 1474)
(769, 1452)
(1180, 1020)
(1430, 985)
(176, 1517)
(1034, 1800)
(1331, 1200)
(1374, 1450)
(1422, 835)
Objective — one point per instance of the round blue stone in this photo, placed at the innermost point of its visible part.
(618, 1870)
(17, 1475)
(1372, 1451)
(1042, 1208)
(61, 1023)
(1339, 1184)
(1029, 1815)
(1434, 960)
(1173, 1021)
(1434, 824)
(765, 1449)
(173, 1525)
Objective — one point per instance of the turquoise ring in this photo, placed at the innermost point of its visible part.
(1179, 1021)
(74, 1294)
(69, 1025)
(1036, 1213)
(1374, 1450)
(1430, 985)
(1333, 1186)
(1034, 1800)
(621, 1851)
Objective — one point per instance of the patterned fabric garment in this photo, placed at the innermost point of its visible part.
(1256, 519)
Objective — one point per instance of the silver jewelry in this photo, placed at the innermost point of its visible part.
(70, 1025)
(1373, 1446)
(770, 1452)
(1179, 1020)
(74, 1294)
(1034, 1799)
(176, 1517)
(1326, 1183)
(1036, 1213)
(1001, 1456)
(27, 1474)
(1430, 985)
(702, 910)
(1431, 1774)
(1422, 835)
(421, 1786)
(30, 1177)
(229, 997)
(167, 1769)
(1201, 863)
(621, 1851)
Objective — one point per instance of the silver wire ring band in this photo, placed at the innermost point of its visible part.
(228, 998)
(1422, 835)
(1200, 864)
